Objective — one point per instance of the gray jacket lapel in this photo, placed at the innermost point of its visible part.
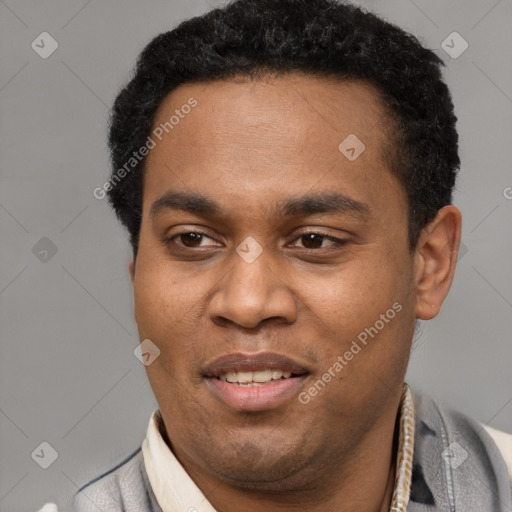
(456, 466)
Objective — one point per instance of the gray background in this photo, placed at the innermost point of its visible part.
(67, 369)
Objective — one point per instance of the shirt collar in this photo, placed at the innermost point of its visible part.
(173, 488)
(175, 491)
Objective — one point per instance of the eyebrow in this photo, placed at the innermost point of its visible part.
(295, 206)
(324, 203)
(193, 203)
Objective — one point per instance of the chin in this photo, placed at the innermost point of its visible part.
(259, 467)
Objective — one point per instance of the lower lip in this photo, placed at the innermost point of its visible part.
(256, 398)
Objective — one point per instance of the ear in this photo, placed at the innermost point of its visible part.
(435, 261)
(131, 270)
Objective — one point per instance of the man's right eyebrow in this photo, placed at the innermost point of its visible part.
(193, 203)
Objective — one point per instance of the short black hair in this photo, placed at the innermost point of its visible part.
(323, 38)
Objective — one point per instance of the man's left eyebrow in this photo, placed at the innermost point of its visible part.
(324, 203)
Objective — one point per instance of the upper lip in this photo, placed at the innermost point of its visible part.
(247, 362)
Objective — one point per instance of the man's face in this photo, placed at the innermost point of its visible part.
(300, 248)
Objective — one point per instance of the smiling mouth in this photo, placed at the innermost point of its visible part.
(250, 382)
(260, 367)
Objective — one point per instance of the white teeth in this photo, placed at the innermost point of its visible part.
(254, 378)
(244, 377)
(262, 376)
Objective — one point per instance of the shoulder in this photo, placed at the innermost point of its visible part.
(456, 427)
(124, 487)
(456, 461)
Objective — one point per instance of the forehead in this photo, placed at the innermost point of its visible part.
(249, 136)
(312, 107)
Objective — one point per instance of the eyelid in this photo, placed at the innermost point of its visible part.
(317, 230)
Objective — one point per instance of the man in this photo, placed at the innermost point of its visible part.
(285, 170)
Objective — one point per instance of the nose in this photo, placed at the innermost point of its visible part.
(252, 293)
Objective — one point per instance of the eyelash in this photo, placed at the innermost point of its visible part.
(337, 242)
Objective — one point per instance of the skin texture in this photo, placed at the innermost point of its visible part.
(249, 146)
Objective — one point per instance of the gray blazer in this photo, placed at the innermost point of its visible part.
(441, 482)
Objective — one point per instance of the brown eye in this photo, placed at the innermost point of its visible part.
(316, 241)
(312, 240)
(191, 239)
(188, 240)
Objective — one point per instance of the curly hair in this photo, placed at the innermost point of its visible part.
(323, 38)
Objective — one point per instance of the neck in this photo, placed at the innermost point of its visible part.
(362, 481)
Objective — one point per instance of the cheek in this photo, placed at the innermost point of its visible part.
(168, 311)
(358, 292)
(368, 302)
(162, 310)
(159, 300)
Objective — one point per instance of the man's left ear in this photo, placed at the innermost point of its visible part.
(435, 261)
